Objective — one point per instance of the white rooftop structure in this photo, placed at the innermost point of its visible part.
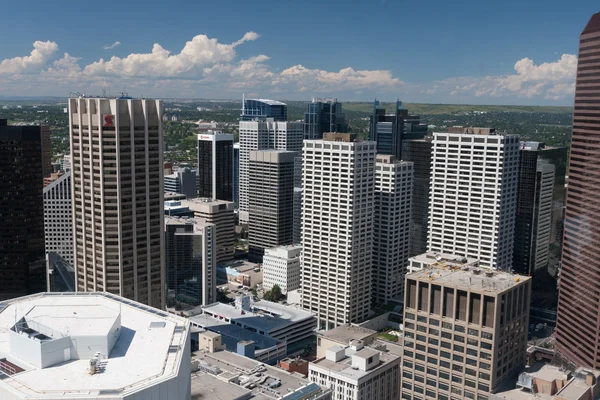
(91, 346)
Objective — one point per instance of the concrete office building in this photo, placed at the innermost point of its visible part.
(533, 223)
(264, 133)
(221, 214)
(338, 186)
(22, 261)
(215, 165)
(117, 177)
(323, 115)
(271, 201)
(191, 270)
(181, 181)
(391, 129)
(465, 331)
(58, 218)
(91, 346)
(281, 266)
(419, 152)
(474, 176)
(391, 231)
(577, 335)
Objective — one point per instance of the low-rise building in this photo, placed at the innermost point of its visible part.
(281, 266)
(91, 346)
(343, 335)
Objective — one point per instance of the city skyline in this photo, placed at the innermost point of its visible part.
(448, 63)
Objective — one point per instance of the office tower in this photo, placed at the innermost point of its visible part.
(190, 262)
(281, 266)
(533, 223)
(577, 335)
(473, 195)
(22, 261)
(46, 151)
(215, 165)
(271, 201)
(338, 185)
(222, 215)
(181, 181)
(323, 115)
(253, 109)
(391, 231)
(389, 130)
(58, 218)
(117, 190)
(236, 173)
(465, 331)
(263, 135)
(298, 200)
(419, 152)
(65, 163)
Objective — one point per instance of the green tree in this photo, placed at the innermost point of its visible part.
(276, 292)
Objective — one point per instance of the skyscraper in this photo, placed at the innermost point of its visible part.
(261, 109)
(419, 152)
(577, 335)
(337, 228)
(323, 115)
(182, 181)
(46, 151)
(58, 218)
(190, 261)
(474, 176)
(215, 165)
(236, 173)
(263, 135)
(22, 255)
(298, 200)
(271, 202)
(117, 189)
(391, 237)
(389, 130)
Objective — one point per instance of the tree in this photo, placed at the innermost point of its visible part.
(276, 292)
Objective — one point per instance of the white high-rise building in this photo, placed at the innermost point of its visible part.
(58, 218)
(391, 237)
(263, 135)
(338, 185)
(117, 190)
(281, 267)
(474, 176)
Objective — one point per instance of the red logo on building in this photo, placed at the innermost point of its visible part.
(108, 120)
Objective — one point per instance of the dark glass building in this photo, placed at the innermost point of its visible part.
(22, 252)
(263, 108)
(389, 130)
(578, 320)
(215, 166)
(323, 115)
(419, 151)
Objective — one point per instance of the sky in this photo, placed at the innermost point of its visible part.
(427, 51)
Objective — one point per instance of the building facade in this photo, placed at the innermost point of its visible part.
(474, 177)
(338, 186)
(465, 331)
(22, 261)
(419, 152)
(190, 262)
(271, 205)
(117, 191)
(263, 135)
(577, 335)
(391, 231)
(323, 115)
(58, 218)
(46, 150)
(182, 181)
(215, 165)
(281, 266)
(260, 109)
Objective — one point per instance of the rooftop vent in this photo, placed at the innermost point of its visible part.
(158, 324)
(476, 271)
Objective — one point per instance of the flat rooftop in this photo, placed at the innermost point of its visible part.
(443, 258)
(207, 386)
(345, 333)
(142, 355)
(344, 366)
(470, 278)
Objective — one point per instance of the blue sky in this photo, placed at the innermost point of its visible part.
(509, 52)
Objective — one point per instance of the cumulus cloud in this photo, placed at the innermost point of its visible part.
(552, 80)
(111, 46)
(41, 53)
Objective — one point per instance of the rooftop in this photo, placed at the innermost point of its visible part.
(203, 204)
(344, 366)
(440, 260)
(148, 338)
(469, 278)
(345, 333)
(269, 102)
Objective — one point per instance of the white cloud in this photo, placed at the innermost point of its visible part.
(111, 46)
(41, 53)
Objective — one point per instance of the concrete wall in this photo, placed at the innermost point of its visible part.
(23, 347)
(56, 351)
(378, 323)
